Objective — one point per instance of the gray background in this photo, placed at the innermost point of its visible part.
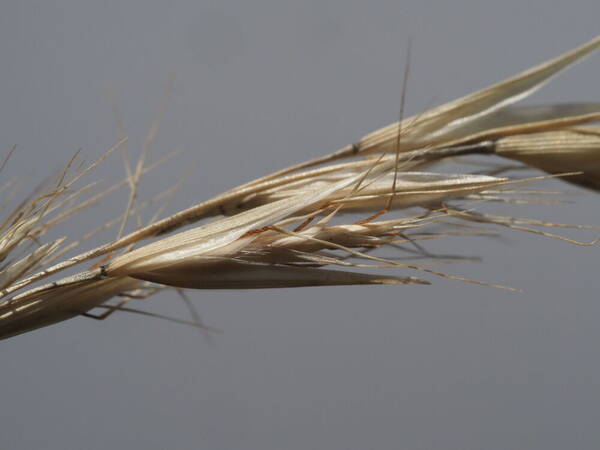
(260, 85)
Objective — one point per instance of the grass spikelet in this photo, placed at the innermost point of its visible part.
(567, 150)
(288, 228)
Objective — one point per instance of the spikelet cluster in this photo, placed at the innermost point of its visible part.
(298, 227)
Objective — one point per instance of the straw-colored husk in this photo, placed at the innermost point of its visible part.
(283, 229)
(569, 150)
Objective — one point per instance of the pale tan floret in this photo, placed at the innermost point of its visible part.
(568, 150)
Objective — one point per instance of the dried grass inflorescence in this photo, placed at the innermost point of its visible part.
(285, 229)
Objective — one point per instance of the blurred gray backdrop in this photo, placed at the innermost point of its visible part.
(260, 85)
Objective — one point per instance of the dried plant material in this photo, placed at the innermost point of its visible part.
(520, 115)
(410, 189)
(568, 150)
(435, 126)
(237, 275)
(55, 303)
(14, 235)
(206, 240)
(17, 269)
(517, 224)
(282, 230)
